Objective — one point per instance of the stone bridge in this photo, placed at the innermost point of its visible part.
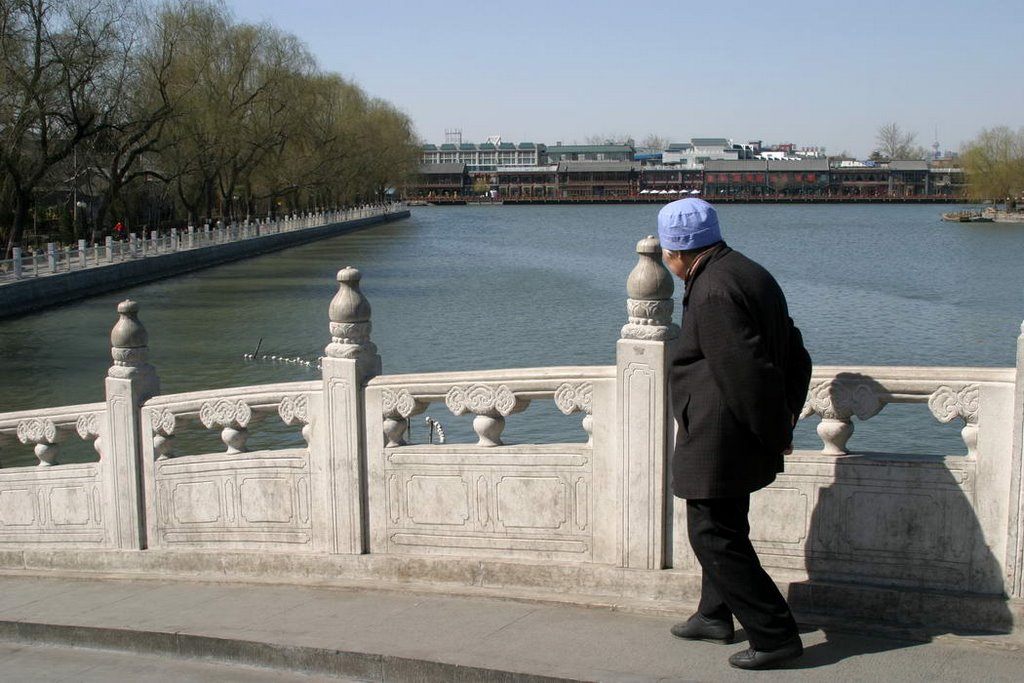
(181, 485)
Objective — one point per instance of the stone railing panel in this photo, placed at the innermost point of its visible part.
(54, 505)
(836, 395)
(527, 501)
(235, 499)
(887, 521)
(933, 522)
(46, 429)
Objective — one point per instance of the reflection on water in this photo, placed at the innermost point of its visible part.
(464, 288)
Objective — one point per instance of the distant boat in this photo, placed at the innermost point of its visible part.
(967, 217)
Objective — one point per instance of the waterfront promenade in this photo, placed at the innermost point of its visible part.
(661, 199)
(186, 630)
(59, 275)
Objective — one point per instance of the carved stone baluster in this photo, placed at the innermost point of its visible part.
(398, 407)
(574, 398)
(490, 405)
(233, 418)
(836, 402)
(947, 403)
(163, 434)
(295, 410)
(43, 433)
(88, 427)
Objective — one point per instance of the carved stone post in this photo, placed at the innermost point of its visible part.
(350, 325)
(130, 382)
(1015, 546)
(339, 460)
(644, 421)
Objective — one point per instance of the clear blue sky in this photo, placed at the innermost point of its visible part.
(812, 73)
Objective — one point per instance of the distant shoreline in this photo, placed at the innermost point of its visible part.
(663, 199)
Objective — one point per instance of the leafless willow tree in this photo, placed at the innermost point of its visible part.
(994, 164)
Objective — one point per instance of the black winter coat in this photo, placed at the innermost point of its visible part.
(739, 375)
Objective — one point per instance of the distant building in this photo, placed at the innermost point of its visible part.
(694, 154)
(597, 179)
(527, 181)
(766, 177)
(486, 156)
(908, 178)
(714, 167)
(560, 152)
(441, 180)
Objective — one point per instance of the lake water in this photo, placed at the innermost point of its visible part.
(461, 288)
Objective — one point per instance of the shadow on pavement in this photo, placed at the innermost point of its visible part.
(839, 646)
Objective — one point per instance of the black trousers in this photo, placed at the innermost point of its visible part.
(733, 582)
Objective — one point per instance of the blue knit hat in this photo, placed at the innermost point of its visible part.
(688, 224)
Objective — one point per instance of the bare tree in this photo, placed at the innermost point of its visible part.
(142, 108)
(226, 114)
(57, 58)
(609, 139)
(895, 143)
(654, 142)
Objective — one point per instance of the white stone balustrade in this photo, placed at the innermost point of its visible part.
(483, 499)
(238, 497)
(838, 394)
(491, 395)
(80, 257)
(907, 537)
(45, 430)
(230, 412)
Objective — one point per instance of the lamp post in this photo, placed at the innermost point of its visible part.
(78, 205)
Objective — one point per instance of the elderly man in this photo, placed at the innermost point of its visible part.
(739, 377)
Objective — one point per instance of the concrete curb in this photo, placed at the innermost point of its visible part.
(311, 660)
(916, 615)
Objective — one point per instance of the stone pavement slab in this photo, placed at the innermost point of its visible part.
(25, 663)
(381, 634)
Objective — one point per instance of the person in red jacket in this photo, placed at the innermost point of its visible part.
(739, 377)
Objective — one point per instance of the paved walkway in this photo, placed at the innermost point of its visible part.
(213, 631)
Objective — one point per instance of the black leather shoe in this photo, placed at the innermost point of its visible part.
(699, 627)
(766, 659)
